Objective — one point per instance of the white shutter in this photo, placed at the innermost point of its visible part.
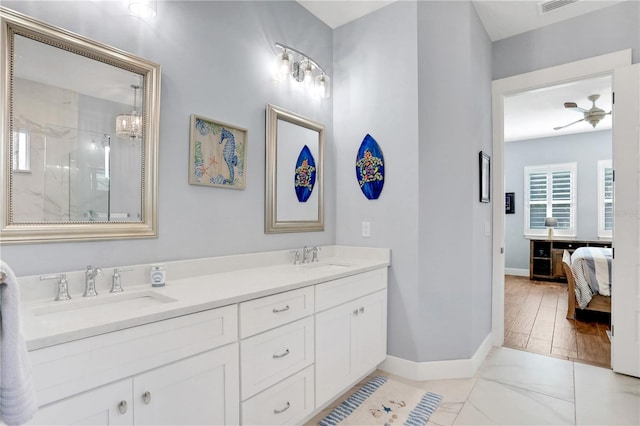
(605, 199)
(550, 191)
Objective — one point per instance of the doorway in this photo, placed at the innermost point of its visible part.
(506, 87)
(553, 164)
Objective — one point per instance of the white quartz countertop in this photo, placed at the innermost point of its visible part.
(81, 318)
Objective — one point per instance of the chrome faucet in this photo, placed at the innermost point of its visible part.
(90, 281)
(63, 286)
(305, 254)
(314, 254)
(116, 283)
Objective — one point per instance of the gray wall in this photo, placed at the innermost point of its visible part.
(455, 125)
(376, 75)
(583, 148)
(597, 33)
(216, 59)
(406, 87)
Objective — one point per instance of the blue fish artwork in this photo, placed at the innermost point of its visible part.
(305, 175)
(370, 168)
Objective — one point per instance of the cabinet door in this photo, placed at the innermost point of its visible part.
(335, 353)
(107, 405)
(203, 389)
(371, 332)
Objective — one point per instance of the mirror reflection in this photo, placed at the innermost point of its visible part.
(80, 137)
(68, 163)
(294, 190)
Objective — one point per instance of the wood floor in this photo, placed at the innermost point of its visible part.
(535, 321)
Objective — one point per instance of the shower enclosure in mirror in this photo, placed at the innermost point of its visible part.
(294, 198)
(79, 137)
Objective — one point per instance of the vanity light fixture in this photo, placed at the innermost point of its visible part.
(130, 125)
(143, 8)
(291, 64)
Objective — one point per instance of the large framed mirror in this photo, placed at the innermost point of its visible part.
(79, 137)
(294, 198)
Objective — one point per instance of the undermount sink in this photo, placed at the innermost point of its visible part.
(110, 306)
(325, 266)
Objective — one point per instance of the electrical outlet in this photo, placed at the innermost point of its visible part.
(366, 229)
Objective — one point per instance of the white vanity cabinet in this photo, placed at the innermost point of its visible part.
(276, 364)
(191, 391)
(351, 331)
(163, 373)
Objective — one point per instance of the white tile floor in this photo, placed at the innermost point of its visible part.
(521, 388)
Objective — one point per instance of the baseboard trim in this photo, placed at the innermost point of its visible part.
(517, 272)
(438, 370)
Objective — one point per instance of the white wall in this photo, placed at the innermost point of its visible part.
(215, 59)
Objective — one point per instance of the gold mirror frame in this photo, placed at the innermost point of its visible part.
(272, 223)
(14, 23)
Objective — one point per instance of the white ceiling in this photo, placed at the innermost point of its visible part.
(528, 115)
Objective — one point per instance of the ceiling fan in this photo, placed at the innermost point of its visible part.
(591, 116)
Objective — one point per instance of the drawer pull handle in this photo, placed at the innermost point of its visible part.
(146, 397)
(282, 355)
(277, 311)
(122, 407)
(276, 411)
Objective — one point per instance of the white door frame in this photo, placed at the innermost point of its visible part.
(579, 70)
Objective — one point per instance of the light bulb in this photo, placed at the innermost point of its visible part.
(283, 66)
(322, 86)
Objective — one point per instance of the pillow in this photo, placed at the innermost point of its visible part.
(566, 258)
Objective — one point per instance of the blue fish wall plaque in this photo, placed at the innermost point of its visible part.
(305, 176)
(370, 168)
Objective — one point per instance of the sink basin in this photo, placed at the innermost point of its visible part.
(324, 266)
(82, 310)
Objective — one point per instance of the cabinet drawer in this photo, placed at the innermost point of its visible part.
(269, 357)
(340, 291)
(286, 403)
(269, 312)
(63, 370)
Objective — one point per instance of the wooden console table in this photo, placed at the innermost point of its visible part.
(545, 257)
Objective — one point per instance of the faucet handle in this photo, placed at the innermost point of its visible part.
(116, 284)
(296, 256)
(63, 285)
(314, 254)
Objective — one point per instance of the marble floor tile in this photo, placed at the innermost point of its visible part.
(606, 398)
(538, 373)
(495, 403)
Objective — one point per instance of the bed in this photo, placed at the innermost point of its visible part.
(588, 272)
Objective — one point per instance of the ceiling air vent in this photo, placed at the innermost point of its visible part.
(551, 5)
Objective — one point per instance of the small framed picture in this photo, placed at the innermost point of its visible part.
(509, 203)
(485, 177)
(217, 153)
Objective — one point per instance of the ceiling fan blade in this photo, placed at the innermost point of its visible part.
(573, 105)
(570, 124)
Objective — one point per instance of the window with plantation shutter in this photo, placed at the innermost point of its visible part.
(605, 199)
(550, 191)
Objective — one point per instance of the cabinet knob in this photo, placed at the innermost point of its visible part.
(122, 407)
(282, 410)
(355, 312)
(146, 397)
(361, 310)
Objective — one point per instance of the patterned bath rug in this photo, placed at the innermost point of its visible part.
(384, 401)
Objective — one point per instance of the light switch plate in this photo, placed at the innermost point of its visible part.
(366, 229)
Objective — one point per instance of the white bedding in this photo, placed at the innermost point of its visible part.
(591, 267)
